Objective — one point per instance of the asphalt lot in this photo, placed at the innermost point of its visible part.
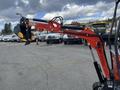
(45, 67)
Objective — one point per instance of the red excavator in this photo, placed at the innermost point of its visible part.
(109, 75)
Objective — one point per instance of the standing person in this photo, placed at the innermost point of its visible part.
(37, 37)
(28, 32)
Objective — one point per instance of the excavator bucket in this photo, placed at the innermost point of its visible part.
(20, 35)
(17, 31)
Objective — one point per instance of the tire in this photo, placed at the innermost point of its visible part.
(97, 86)
(47, 42)
(65, 42)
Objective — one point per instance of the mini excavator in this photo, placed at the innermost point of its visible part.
(108, 74)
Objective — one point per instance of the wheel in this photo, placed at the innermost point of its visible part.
(47, 42)
(65, 43)
(97, 86)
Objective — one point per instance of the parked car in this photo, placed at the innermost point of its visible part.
(42, 36)
(15, 38)
(6, 38)
(11, 38)
(1, 37)
(53, 38)
(71, 39)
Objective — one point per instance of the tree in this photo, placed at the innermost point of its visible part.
(7, 29)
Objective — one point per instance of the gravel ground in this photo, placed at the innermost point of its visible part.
(45, 67)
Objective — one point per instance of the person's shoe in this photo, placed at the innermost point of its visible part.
(27, 43)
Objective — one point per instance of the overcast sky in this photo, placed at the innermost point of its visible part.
(81, 10)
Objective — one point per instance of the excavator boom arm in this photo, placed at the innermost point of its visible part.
(92, 38)
(95, 42)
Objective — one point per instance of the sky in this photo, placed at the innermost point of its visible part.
(70, 10)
